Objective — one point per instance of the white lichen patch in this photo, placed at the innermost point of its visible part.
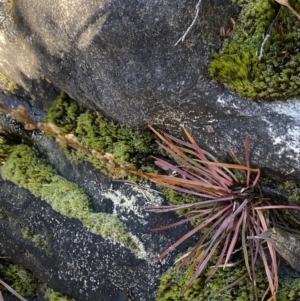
(126, 203)
(289, 108)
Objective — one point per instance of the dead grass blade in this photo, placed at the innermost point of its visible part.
(220, 258)
(234, 238)
(247, 156)
(244, 246)
(200, 243)
(236, 282)
(202, 265)
(180, 222)
(12, 290)
(272, 274)
(192, 232)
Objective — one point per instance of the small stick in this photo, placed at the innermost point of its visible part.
(190, 27)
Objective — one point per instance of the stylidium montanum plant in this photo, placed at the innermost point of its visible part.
(232, 210)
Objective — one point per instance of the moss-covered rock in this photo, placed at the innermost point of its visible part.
(5, 149)
(39, 240)
(21, 280)
(51, 295)
(291, 190)
(174, 282)
(26, 169)
(7, 83)
(25, 284)
(96, 132)
(261, 60)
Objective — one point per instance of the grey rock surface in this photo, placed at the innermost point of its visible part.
(76, 262)
(119, 57)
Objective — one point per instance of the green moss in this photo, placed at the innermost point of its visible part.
(291, 189)
(96, 132)
(21, 280)
(7, 83)
(174, 282)
(5, 149)
(2, 213)
(292, 192)
(275, 73)
(179, 198)
(24, 168)
(40, 241)
(64, 113)
(24, 283)
(51, 295)
(289, 290)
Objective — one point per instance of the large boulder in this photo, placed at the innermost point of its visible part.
(120, 57)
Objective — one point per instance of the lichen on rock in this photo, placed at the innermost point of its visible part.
(261, 60)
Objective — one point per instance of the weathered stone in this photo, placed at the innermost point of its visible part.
(67, 256)
(119, 57)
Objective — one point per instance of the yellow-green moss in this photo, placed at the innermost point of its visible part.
(26, 169)
(40, 241)
(179, 198)
(174, 282)
(2, 213)
(289, 290)
(291, 189)
(24, 283)
(96, 132)
(239, 65)
(292, 192)
(5, 149)
(64, 113)
(51, 295)
(7, 83)
(21, 280)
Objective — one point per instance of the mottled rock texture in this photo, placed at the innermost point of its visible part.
(65, 254)
(119, 57)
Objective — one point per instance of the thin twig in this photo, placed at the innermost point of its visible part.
(267, 36)
(12, 290)
(193, 23)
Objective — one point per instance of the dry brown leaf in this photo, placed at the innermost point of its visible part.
(286, 244)
(287, 4)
